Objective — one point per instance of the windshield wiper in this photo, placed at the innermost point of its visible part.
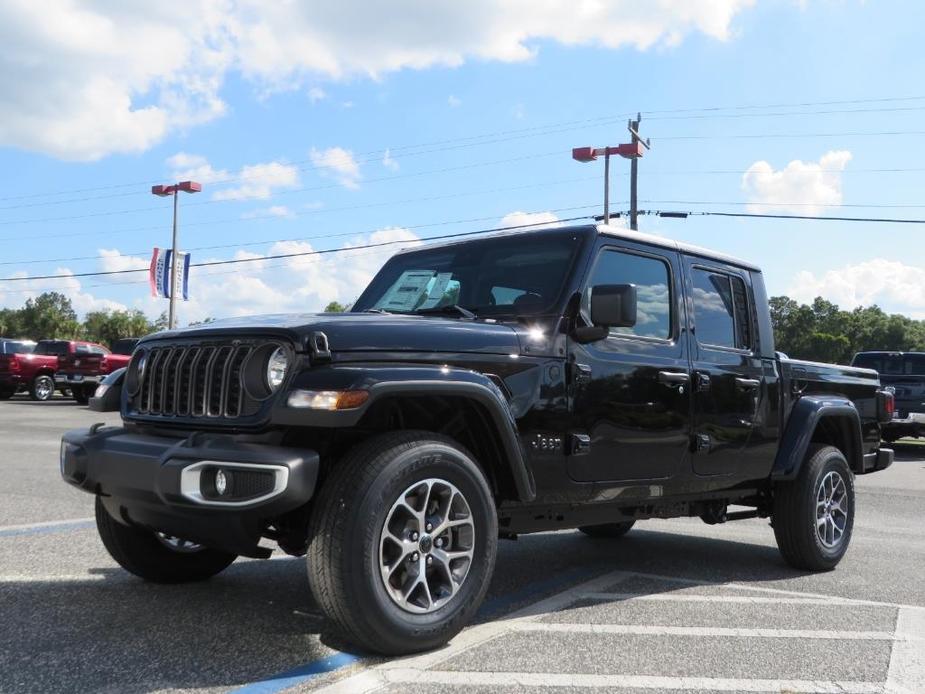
(464, 312)
(376, 310)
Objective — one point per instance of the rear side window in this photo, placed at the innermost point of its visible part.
(59, 349)
(721, 313)
(653, 290)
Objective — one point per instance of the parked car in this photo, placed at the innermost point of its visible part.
(904, 373)
(22, 369)
(585, 377)
(81, 365)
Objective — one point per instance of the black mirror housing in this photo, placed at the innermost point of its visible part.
(613, 305)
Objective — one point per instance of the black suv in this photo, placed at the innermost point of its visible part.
(903, 373)
(584, 377)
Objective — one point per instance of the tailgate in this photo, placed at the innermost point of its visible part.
(82, 364)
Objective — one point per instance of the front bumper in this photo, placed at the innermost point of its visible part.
(154, 481)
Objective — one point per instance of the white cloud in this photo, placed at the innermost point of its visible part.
(339, 163)
(112, 260)
(316, 94)
(800, 187)
(271, 211)
(89, 79)
(388, 162)
(14, 295)
(454, 101)
(260, 181)
(888, 283)
(193, 167)
(297, 284)
(542, 220)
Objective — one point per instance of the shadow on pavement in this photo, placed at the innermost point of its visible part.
(113, 632)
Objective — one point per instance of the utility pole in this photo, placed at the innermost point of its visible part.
(632, 151)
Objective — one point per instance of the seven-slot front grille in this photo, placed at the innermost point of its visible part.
(194, 381)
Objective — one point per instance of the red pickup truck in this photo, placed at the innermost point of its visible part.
(81, 365)
(21, 368)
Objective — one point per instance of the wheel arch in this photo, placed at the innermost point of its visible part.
(828, 419)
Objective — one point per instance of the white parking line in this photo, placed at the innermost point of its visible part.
(610, 682)
(738, 599)
(44, 524)
(907, 661)
(735, 632)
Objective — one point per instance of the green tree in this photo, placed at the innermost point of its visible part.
(48, 316)
(108, 326)
(10, 323)
(336, 307)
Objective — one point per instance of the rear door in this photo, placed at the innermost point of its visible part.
(727, 376)
(631, 400)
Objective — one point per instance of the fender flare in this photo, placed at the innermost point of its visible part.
(387, 382)
(806, 415)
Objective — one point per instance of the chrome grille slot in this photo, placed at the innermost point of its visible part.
(191, 381)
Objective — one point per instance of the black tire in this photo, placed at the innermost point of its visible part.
(7, 393)
(611, 530)
(42, 388)
(140, 552)
(81, 394)
(795, 511)
(348, 519)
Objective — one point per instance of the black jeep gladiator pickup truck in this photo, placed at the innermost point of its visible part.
(585, 377)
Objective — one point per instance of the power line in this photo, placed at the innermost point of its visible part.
(706, 213)
(235, 261)
(709, 111)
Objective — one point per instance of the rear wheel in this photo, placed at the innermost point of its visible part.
(82, 394)
(403, 540)
(42, 387)
(158, 557)
(814, 514)
(611, 530)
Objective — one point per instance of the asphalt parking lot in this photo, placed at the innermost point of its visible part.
(675, 606)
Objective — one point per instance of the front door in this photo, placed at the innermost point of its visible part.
(630, 390)
(728, 377)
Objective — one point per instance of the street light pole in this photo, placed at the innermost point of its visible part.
(174, 190)
(172, 311)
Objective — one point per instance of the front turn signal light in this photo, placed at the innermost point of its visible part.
(327, 399)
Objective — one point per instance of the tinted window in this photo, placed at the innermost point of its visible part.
(16, 347)
(653, 296)
(125, 346)
(500, 275)
(721, 314)
(893, 364)
(53, 348)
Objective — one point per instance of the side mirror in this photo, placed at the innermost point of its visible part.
(613, 305)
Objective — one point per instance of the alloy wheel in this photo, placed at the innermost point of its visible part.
(831, 509)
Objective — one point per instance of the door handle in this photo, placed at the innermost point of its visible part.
(673, 378)
(747, 383)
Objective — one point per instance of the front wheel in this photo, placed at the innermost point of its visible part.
(403, 542)
(42, 388)
(814, 514)
(158, 557)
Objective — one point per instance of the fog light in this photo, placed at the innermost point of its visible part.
(327, 399)
(221, 482)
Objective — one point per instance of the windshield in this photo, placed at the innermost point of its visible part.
(16, 347)
(515, 274)
(892, 364)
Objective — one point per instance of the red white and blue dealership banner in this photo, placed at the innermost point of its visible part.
(159, 274)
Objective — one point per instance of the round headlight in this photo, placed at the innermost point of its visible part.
(136, 372)
(277, 365)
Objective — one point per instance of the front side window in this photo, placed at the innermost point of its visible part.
(721, 315)
(653, 291)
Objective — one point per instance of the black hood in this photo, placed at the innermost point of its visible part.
(362, 332)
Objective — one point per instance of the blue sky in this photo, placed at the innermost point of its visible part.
(286, 115)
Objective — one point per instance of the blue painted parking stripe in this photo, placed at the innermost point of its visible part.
(299, 675)
(315, 668)
(45, 528)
